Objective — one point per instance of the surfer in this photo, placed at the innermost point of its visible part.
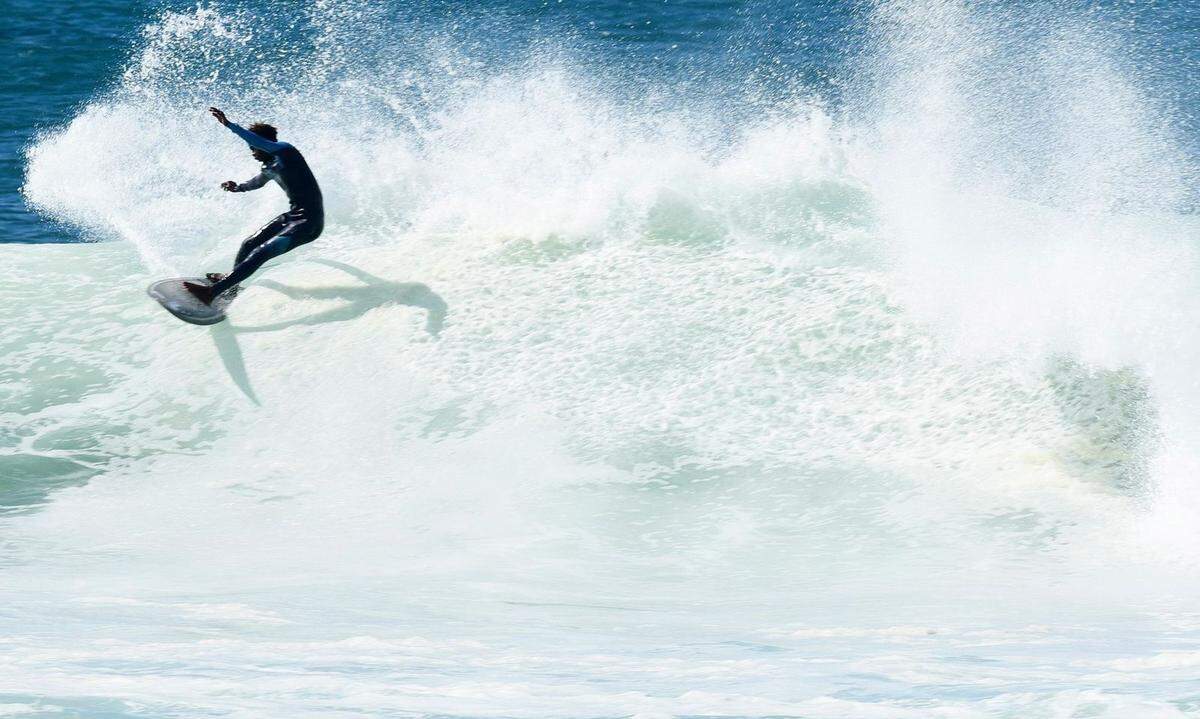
(301, 224)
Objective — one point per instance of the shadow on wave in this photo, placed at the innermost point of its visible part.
(356, 300)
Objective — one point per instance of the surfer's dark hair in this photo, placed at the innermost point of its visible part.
(262, 129)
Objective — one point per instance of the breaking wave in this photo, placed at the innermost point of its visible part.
(573, 337)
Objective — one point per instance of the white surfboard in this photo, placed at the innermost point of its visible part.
(184, 305)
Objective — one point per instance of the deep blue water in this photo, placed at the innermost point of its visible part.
(61, 57)
(714, 51)
(56, 58)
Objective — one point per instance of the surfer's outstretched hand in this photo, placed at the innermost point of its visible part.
(229, 185)
(219, 115)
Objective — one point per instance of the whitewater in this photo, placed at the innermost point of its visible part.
(606, 395)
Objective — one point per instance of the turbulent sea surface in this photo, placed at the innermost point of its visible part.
(659, 359)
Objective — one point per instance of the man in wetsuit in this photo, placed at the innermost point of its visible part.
(301, 224)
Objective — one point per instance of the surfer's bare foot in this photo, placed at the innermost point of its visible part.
(203, 293)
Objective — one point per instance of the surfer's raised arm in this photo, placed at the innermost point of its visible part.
(258, 142)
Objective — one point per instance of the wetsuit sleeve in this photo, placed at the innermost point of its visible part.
(258, 142)
(253, 183)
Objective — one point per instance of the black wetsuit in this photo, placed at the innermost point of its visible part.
(301, 224)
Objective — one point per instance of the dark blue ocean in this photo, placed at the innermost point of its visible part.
(62, 57)
(658, 359)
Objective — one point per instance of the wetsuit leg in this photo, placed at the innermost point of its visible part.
(268, 231)
(290, 237)
(270, 249)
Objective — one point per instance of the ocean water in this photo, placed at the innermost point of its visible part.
(662, 359)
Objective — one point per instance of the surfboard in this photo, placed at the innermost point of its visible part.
(171, 294)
